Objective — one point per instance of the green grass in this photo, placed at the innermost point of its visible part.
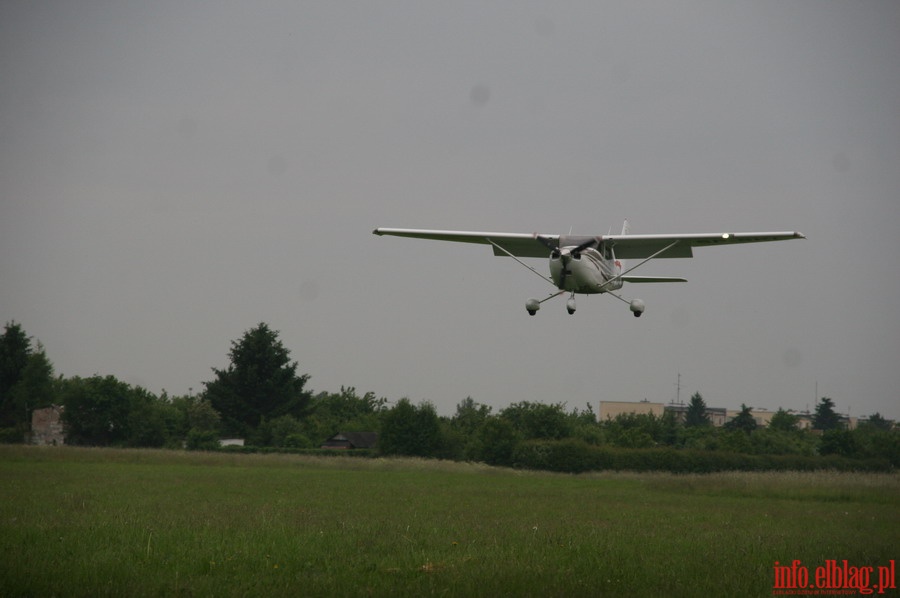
(91, 522)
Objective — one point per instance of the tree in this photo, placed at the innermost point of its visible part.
(15, 348)
(410, 430)
(147, 422)
(696, 412)
(877, 422)
(637, 430)
(496, 442)
(459, 433)
(346, 411)
(825, 417)
(874, 442)
(35, 388)
(96, 410)
(470, 416)
(261, 382)
(538, 420)
(783, 421)
(585, 426)
(286, 432)
(837, 441)
(743, 421)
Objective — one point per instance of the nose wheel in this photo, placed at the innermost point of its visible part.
(533, 305)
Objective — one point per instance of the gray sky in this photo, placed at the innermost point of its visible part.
(173, 173)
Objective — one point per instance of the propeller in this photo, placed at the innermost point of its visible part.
(554, 250)
(586, 245)
(556, 253)
(574, 251)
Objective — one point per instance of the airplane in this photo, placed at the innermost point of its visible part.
(592, 264)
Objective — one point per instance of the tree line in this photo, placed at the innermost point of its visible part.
(261, 397)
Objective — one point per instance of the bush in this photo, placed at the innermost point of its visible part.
(12, 435)
(573, 456)
(495, 443)
(202, 440)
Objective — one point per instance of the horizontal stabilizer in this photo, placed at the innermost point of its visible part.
(652, 279)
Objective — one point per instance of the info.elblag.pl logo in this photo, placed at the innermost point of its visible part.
(833, 578)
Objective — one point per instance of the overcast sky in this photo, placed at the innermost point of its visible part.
(173, 173)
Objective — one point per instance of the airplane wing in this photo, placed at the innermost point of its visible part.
(643, 246)
(518, 244)
(625, 246)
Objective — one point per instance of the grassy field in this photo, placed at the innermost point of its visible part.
(91, 522)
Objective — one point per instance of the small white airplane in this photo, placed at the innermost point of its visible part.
(592, 264)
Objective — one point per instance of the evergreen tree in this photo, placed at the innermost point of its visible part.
(260, 383)
(35, 389)
(696, 412)
(743, 421)
(825, 417)
(15, 348)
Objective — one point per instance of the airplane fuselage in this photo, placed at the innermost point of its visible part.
(587, 271)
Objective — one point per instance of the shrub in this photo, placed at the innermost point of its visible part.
(573, 456)
(202, 440)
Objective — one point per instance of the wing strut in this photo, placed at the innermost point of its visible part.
(526, 265)
(640, 263)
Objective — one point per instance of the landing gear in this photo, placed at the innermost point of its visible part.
(637, 307)
(533, 305)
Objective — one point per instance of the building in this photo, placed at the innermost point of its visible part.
(351, 440)
(613, 409)
(717, 415)
(762, 416)
(47, 426)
